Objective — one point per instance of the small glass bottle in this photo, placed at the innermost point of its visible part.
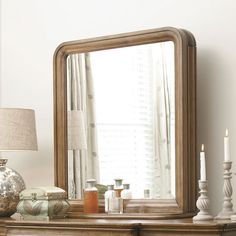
(115, 204)
(91, 197)
(146, 193)
(108, 194)
(118, 186)
(126, 192)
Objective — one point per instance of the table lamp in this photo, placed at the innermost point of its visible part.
(17, 132)
(76, 130)
(76, 141)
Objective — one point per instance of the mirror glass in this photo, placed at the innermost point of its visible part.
(121, 119)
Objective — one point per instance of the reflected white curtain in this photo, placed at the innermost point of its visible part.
(82, 164)
(165, 121)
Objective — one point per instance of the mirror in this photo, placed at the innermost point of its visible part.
(125, 108)
(126, 97)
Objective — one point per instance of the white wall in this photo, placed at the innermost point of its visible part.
(0, 46)
(32, 29)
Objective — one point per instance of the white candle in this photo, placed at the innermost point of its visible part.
(226, 146)
(202, 165)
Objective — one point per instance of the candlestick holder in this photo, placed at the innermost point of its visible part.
(227, 208)
(203, 203)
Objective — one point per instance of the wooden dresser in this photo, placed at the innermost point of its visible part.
(115, 227)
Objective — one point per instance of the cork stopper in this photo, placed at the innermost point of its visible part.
(110, 187)
(118, 182)
(91, 183)
(3, 161)
(126, 186)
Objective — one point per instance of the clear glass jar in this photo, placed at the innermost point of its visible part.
(118, 187)
(108, 194)
(115, 204)
(91, 197)
(126, 192)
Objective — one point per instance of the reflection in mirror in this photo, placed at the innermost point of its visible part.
(121, 119)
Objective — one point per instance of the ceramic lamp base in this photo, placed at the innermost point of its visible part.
(11, 184)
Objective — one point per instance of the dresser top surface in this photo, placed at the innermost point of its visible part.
(119, 223)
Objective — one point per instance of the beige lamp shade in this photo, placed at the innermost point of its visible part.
(76, 130)
(17, 129)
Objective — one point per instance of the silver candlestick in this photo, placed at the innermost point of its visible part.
(203, 203)
(227, 208)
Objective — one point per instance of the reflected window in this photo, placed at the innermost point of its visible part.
(134, 104)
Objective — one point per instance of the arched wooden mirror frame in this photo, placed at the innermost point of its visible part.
(185, 110)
